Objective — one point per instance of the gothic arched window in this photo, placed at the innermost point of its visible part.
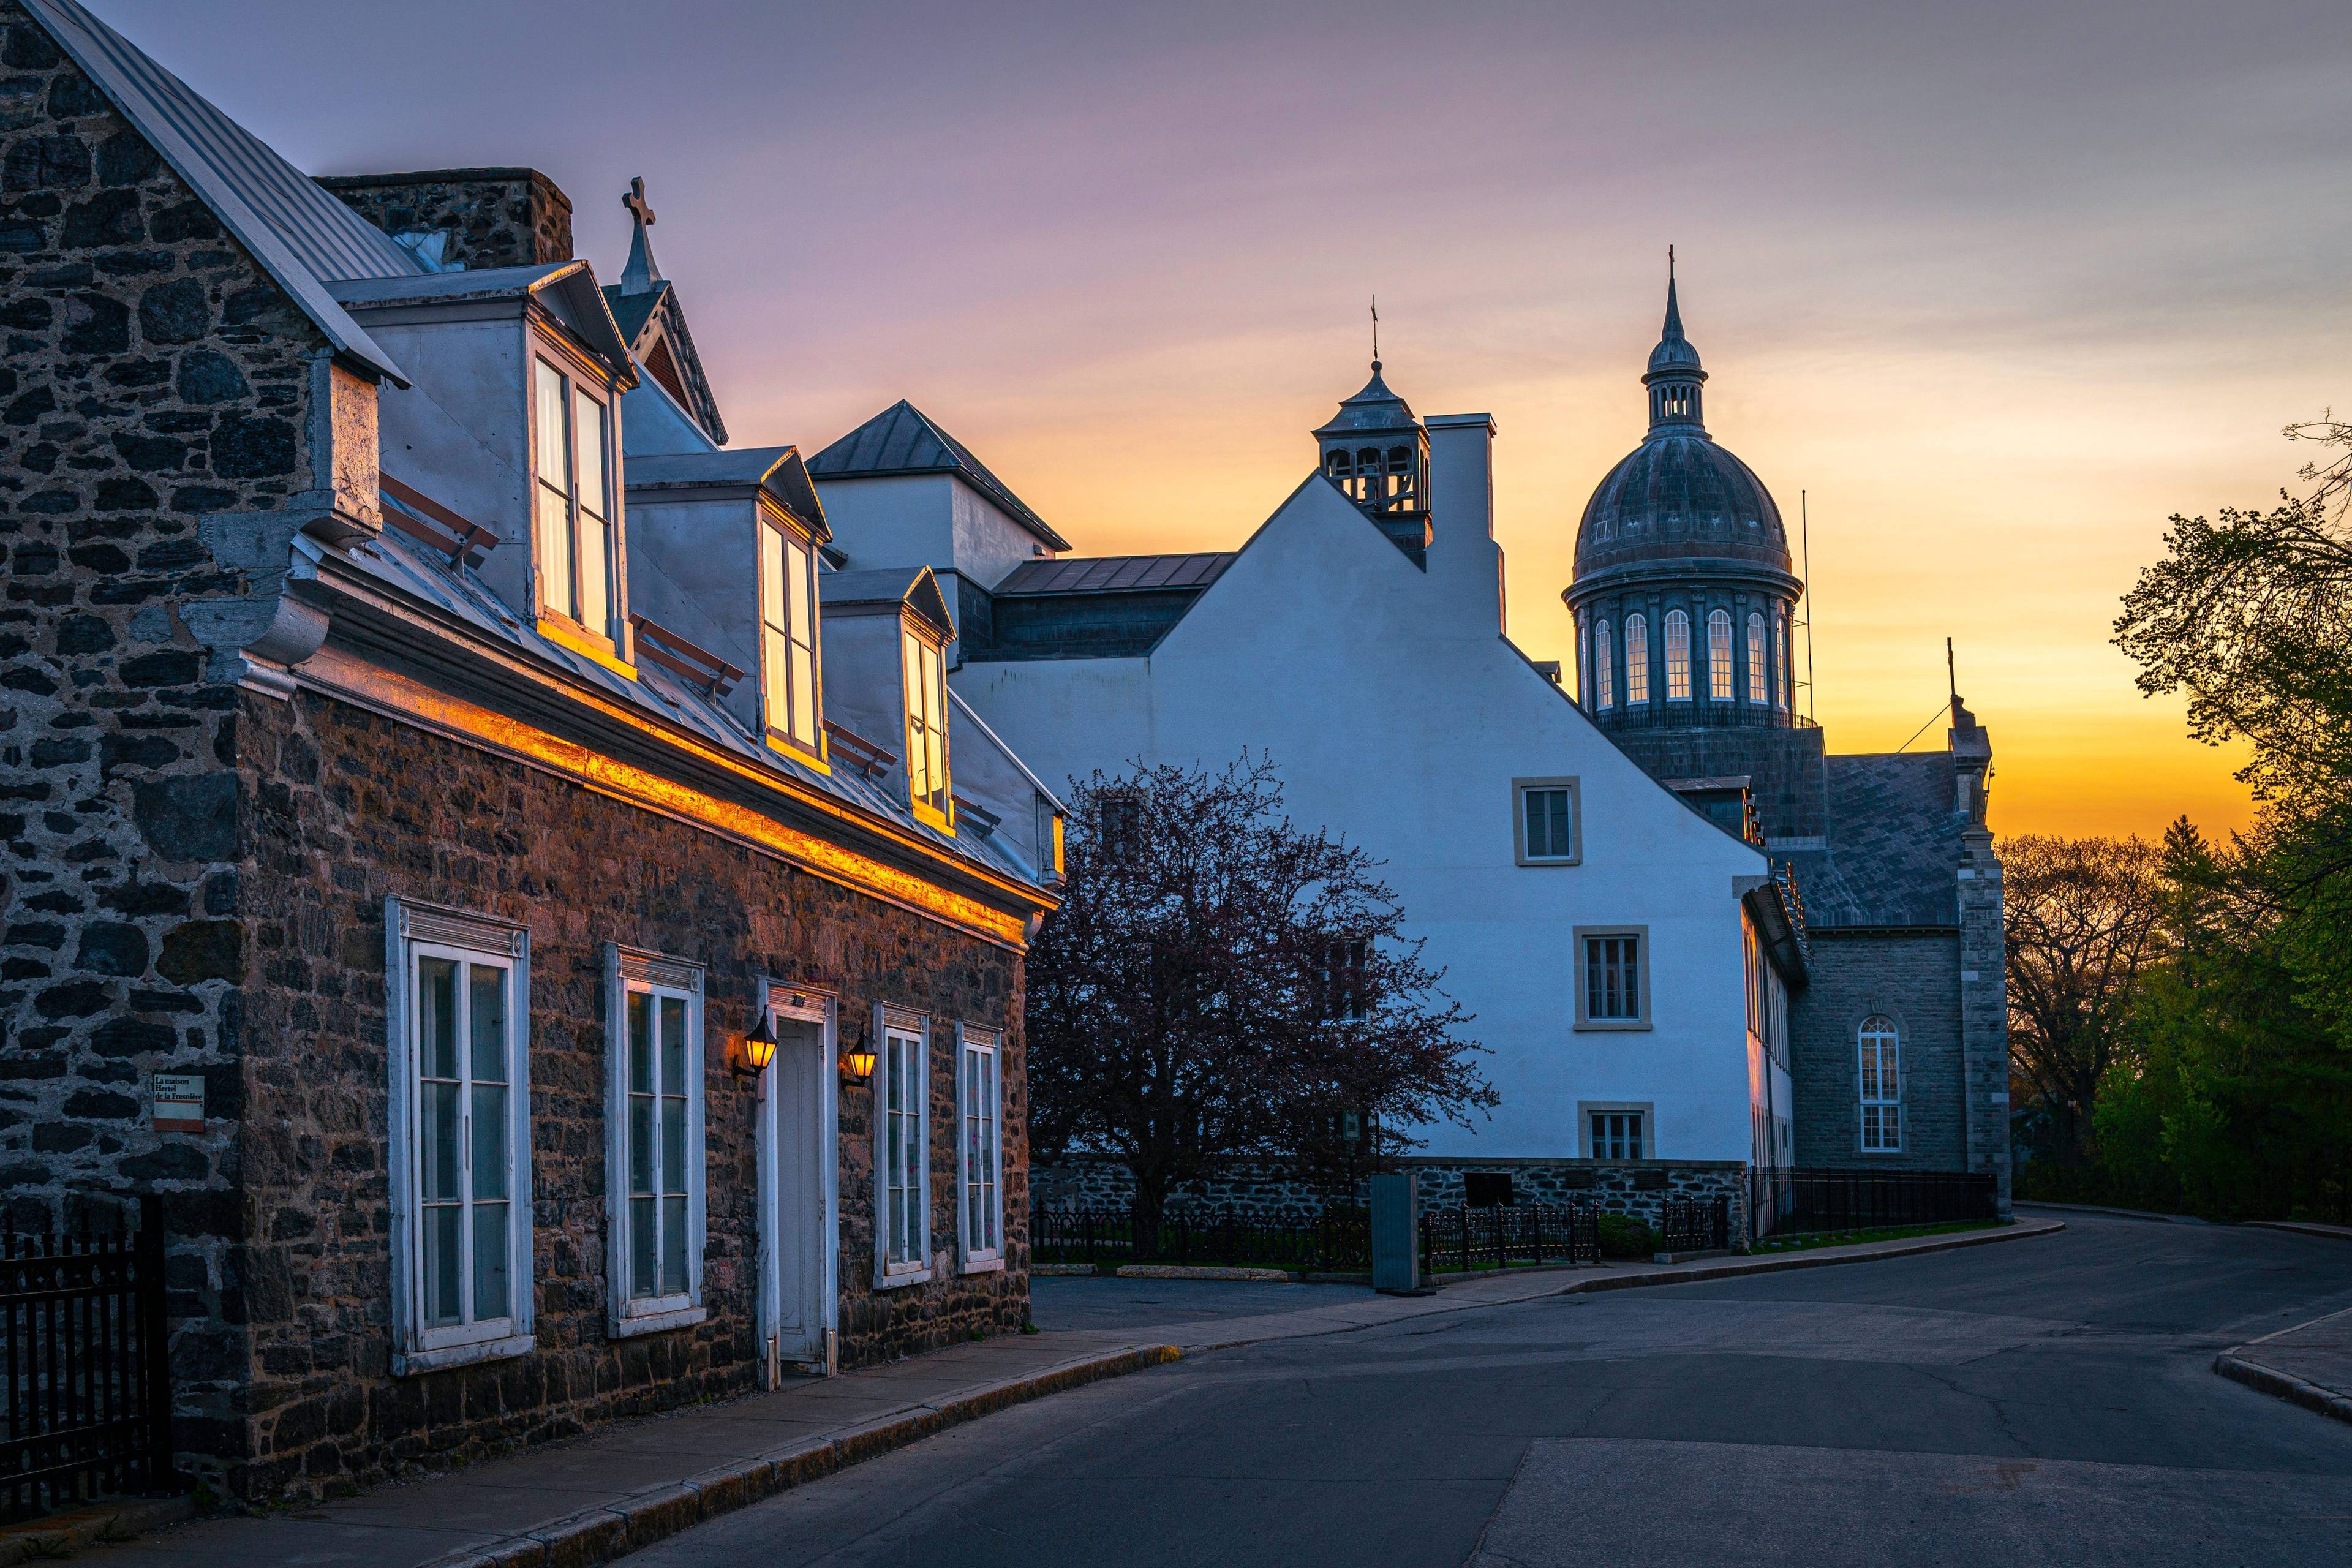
(1758, 668)
(1637, 657)
(1880, 1086)
(1604, 672)
(1780, 658)
(1718, 657)
(1678, 656)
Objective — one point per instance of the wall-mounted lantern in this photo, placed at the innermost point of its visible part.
(858, 1061)
(759, 1049)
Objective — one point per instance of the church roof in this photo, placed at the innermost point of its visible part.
(902, 440)
(1893, 845)
(1375, 408)
(1675, 354)
(1115, 573)
(303, 236)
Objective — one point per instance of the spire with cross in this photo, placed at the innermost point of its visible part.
(642, 272)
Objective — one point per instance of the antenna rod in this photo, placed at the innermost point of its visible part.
(1376, 332)
(1805, 526)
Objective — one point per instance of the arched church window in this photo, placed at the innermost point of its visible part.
(1780, 658)
(1399, 460)
(1718, 657)
(1880, 1085)
(1759, 678)
(1678, 685)
(1637, 657)
(1338, 465)
(1604, 672)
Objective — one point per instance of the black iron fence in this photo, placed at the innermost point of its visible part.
(82, 1336)
(1801, 1202)
(1509, 1235)
(1335, 1241)
(1695, 1224)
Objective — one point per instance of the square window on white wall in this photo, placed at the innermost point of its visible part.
(902, 1159)
(1547, 821)
(460, 1096)
(656, 1177)
(979, 1148)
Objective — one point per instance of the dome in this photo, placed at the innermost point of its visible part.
(1678, 496)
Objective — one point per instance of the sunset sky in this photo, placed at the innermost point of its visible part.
(1999, 286)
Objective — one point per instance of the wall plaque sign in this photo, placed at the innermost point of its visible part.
(179, 1102)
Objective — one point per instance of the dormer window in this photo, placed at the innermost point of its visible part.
(926, 726)
(788, 688)
(574, 501)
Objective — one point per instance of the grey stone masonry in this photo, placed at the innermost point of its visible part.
(488, 217)
(155, 382)
(1912, 979)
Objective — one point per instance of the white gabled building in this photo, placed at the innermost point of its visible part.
(1625, 956)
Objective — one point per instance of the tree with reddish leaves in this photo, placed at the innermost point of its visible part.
(1219, 982)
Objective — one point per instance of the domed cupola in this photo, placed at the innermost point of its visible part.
(1682, 569)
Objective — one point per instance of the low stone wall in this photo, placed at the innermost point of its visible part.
(1265, 1189)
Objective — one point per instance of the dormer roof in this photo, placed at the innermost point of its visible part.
(776, 471)
(302, 237)
(911, 588)
(902, 440)
(565, 290)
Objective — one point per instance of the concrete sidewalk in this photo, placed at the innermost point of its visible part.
(591, 1500)
(2310, 1364)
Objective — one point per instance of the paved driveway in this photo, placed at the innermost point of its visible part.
(2042, 1402)
(1129, 1304)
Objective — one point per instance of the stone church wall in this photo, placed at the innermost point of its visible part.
(348, 806)
(1913, 979)
(154, 378)
(492, 217)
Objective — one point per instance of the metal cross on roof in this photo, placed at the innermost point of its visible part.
(634, 200)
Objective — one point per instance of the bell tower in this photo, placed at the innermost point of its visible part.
(1374, 449)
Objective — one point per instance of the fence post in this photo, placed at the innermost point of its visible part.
(156, 1333)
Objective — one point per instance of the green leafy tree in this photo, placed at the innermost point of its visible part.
(1219, 982)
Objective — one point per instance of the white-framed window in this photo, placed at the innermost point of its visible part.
(655, 1179)
(1880, 1086)
(902, 1150)
(1613, 977)
(1637, 659)
(1614, 1135)
(926, 724)
(1604, 669)
(979, 1148)
(1759, 664)
(573, 486)
(788, 640)
(1545, 814)
(1780, 659)
(1718, 657)
(1678, 669)
(460, 1098)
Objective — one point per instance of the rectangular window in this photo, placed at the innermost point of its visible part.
(1678, 657)
(980, 1154)
(1637, 659)
(1604, 670)
(788, 635)
(654, 1155)
(1547, 827)
(1781, 671)
(902, 1154)
(1121, 833)
(572, 528)
(1759, 668)
(1613, 977)
(1718, 657)
(926, 724)
(1347, 992)
(1615, 1135)
(461, 1155)
(1882, 1088)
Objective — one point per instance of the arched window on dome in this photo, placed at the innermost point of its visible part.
(1760, 668)
(1880, 1086)
(1637, 659)
(1718, 657)
(1781, 673)
(1678, 656)
(1604, 670)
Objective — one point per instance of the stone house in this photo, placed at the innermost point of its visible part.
(430, 787)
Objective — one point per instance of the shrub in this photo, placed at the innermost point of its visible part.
(1621, 1235)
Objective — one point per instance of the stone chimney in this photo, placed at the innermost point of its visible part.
(468, 218)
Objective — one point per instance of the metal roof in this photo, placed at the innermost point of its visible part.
(913, 586)
(299, 233)
(1115, 573)
(1893, 844)
(776, 469)
(902, 440)
(1374, 409)
(565, 290)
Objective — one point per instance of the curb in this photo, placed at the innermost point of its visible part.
(2154, 1215)
(599, 1535)
(2282, 1385)
(60, 1535)
(2303, 1227)
(1185, 1271)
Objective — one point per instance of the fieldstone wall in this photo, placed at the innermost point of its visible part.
(1275, 1189)
(154, 378)
(348, 806)
(1913, 979)
(491, 217)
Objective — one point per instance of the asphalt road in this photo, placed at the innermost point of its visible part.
(2038, 1402)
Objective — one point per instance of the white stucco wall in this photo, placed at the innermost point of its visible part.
(1400, 716)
